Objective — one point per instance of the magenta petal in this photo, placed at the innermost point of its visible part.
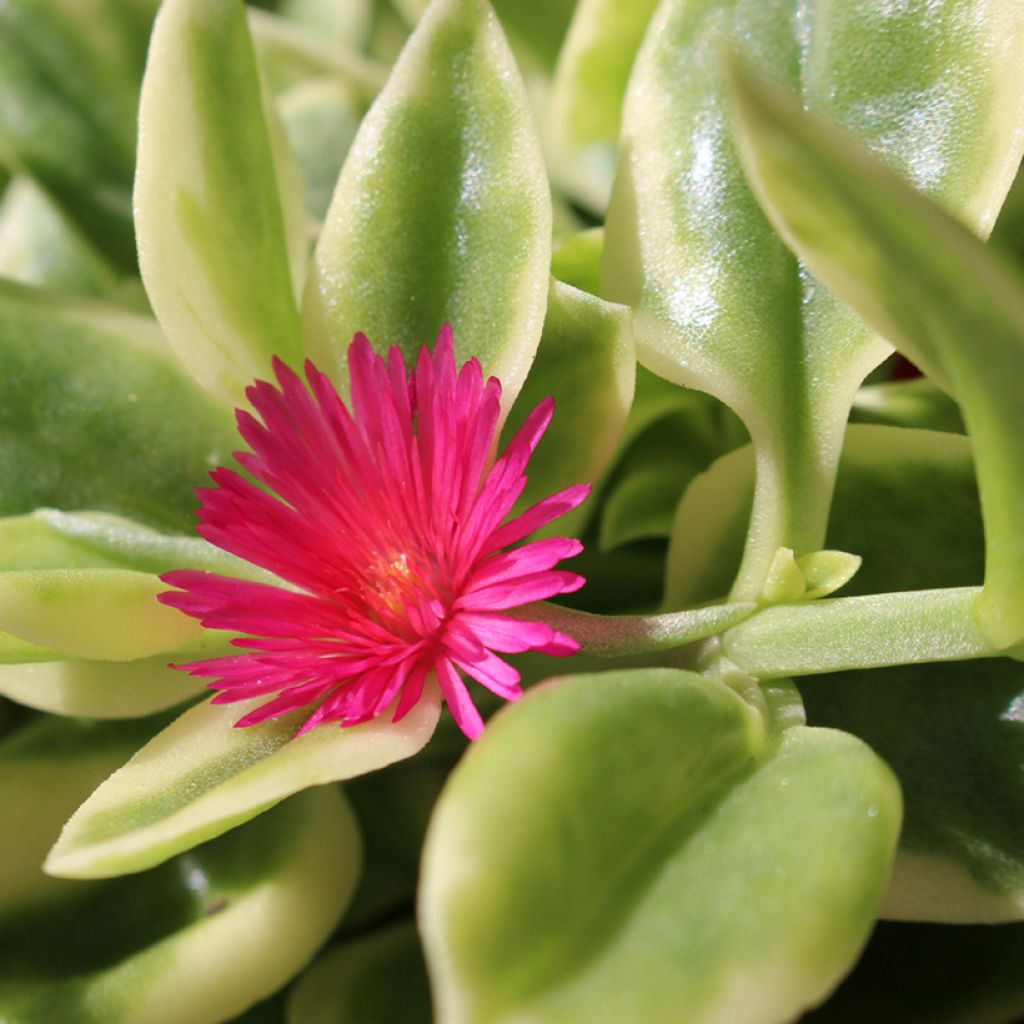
(383, 520)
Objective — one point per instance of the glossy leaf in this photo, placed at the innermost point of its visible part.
(238, 918)
(586, 362)
(920, 277)
(656, 854)
(584, 111)
(69, 75)
(722, 306)
(209, 215)
(200, 777)
(954, 735)
(951, 732)
(377, 980)
(442, 212)
(98, 414)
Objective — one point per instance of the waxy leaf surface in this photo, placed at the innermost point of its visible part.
(938, 89)
(442, 212)
(98, 414)
(919, 276)
(212, 227)
(659, 855)
(201, 777)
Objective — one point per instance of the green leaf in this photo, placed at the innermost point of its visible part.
(69, 75)
(39, 246)
(722, 305)
(201, 777)
(208, 208)
(237, 918)
(576, 260)
(98, 689)
(109, 614)
(954, 735)
(357, 982)
(949, 303)
(47, 768)
(536, 28)
(656, 854)
(348, 23)
(925, 974)
(586, 362)
(442, 212)
(98, 414)
(584, 110)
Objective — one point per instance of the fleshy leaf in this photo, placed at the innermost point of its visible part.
(69, 75)
(442, 212)
(208, 212)
(948, 302)
(657, 851)
(92, 613)
(907, 403)
(584, 110)
(586, 362)
(98, 414)
(239, 918)
(98, 689)
(200, 777)
(722, 305)
(376, 980)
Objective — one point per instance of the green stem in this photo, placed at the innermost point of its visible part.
(876, 631)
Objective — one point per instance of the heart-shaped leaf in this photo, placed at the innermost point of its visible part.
(442, 212)
(657, 856)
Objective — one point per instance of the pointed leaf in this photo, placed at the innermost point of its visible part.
(946, 300)
(655, 852)
(201, 777)
(212, 242)
(442, 212)
(722, 305)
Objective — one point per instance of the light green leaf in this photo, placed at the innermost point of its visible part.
(201, 777)
(657, 854)
(237, 918)
(98, 414)
(442, 212)
(536, 28)
(377, 980)
(348, 23)
(917, 275)
(586, 362)
(722, 305)
(98, 689)
(39, 246)
(110, 614)
(584, 110)
(576, 259)
(69, 75)
(208, 212)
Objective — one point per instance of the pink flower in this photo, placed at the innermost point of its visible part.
(385, 525)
